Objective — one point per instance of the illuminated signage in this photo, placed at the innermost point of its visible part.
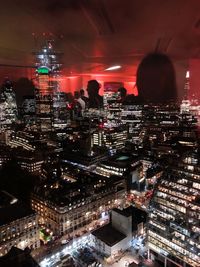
(43, 70)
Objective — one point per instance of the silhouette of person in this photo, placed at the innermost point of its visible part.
(95, 100)
(126, 99)
(122, 94)
(156, 79)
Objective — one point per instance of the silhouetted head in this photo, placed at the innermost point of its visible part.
(76, 94)
(82, 92)
(156, 80)
(93, 87)
(122, 91)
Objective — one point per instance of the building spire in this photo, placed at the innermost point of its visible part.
(187, 85)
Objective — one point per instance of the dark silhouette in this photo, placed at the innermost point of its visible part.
(23, 86)
(126, 99)
(122, 94)
(69, 97)
(95, 100)
(18, 258)
(17, 181)
(156, 80)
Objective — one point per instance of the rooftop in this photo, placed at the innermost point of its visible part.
(6, 199)
(62, 193)
(108, 235)
(121, 160)
(18, 258)
(12, 212)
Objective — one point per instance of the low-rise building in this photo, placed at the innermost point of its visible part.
(116, 165)
(115, 237)
(18, 225)
(65, 207)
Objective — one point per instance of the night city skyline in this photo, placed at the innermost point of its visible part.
(100, 133)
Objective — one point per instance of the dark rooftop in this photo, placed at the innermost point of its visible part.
(108, 235)
(18, 258)
(82, 188)
(12, 212)
(122, 160)
(6, 199)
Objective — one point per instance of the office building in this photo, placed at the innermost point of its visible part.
(78, 203)
(132, 116)
(47, 76)
(18, 225)
(116, 237)
(173, 228)
(113, 138)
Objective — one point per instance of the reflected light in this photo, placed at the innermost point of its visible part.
(114, 67)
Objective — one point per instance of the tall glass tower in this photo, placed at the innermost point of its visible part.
(47, 79)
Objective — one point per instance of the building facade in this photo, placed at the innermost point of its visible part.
(78, 209)
(173, 228)
(18, 226)
(47, 84)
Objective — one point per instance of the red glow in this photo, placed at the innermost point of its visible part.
(75, 83)
(69, 106)
(15, 74)
(71, 83)
(101, 125)
(194, 68)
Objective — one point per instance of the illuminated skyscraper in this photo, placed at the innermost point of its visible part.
(187, 85)
(47, 71)
(132, 116)
(173, 229)
(112, 105)
(8, 105)
(190, 107)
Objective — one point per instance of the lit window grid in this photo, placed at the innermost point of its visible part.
(175, 199)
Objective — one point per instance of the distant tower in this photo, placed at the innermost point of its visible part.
(190, 105)
(185, 105)
(8, 104)
(187, 85)
(47, 72)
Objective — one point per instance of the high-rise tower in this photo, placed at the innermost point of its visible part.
(191, 105)
(47, 72)
(173, 228)
(187, 85)
(8, 105)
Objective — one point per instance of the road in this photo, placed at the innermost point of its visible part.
(47, 255)
(51, 259)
